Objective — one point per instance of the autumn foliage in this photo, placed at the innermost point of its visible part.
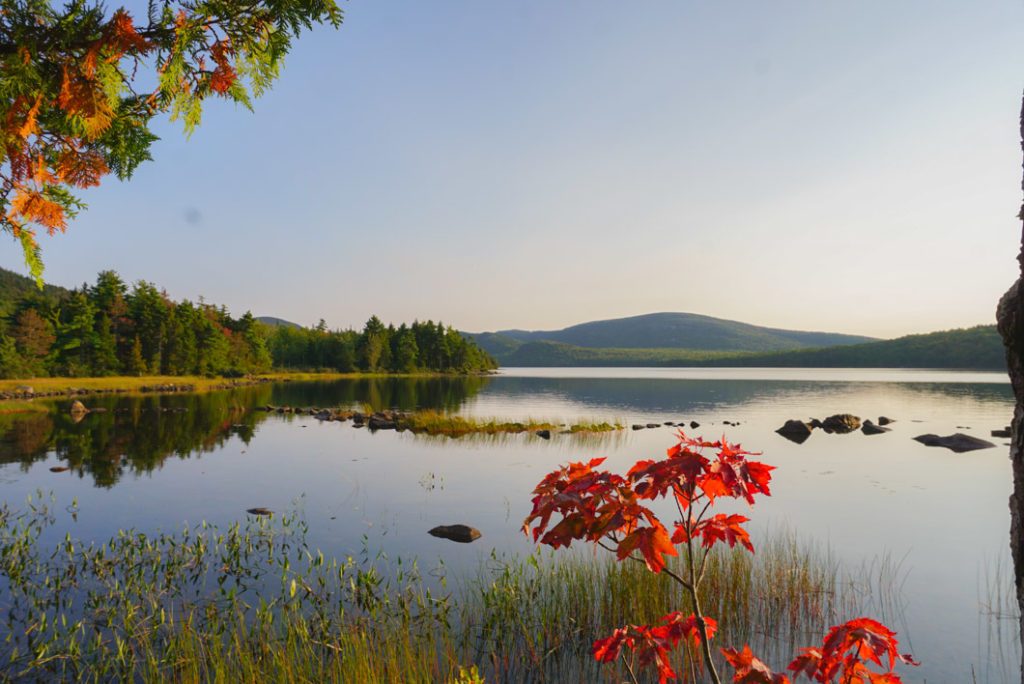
(578, 502)
(72, 109)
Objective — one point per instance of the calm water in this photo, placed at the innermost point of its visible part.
(940, 517)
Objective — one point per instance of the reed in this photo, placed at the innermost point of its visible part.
(254, 602)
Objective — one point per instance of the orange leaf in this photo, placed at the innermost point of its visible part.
(83, 96)
(33, 207)
(81, 169)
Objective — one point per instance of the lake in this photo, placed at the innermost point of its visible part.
(934, 521)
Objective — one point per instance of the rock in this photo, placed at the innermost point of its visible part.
(545, 434)
(638, 427)
(457, 533)
(882, 420)
(654, 425)
(694, 424)
(815, 423)
(380, 421)
(259, 511)
(357, 418)
(958, 442)
(669, 423)
(841, 423)
(1002, 433)
(870, 428)
(795, 431)
(78, 410)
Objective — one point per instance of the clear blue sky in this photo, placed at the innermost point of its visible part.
(852, 167)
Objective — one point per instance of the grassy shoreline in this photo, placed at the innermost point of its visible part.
(13, 389)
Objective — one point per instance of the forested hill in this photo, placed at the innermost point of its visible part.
(979, 347)
(111, 329)
(668, 331)
(14, 286)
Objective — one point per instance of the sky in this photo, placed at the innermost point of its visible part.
(848, 167)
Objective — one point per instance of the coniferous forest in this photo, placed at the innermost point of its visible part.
(109, 328)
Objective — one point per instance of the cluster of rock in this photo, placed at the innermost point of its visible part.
(668, 423)
(841, 423)
(378, 420)
(798, 431)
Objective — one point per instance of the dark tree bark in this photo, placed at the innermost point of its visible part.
(1010, 317)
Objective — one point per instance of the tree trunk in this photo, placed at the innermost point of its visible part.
(1010, 317)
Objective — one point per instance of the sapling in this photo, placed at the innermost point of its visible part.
(609, 510)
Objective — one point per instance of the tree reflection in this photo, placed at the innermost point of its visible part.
(133, 435)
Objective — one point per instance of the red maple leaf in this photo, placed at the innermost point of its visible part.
(750, 670)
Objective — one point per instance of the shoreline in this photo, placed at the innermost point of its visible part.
(27, 389)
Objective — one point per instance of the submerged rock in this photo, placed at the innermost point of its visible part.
(795, 431)
(457, 533)
(380, 421)
(841, 423)
(870, 428)
(78, 411)
(958, 442)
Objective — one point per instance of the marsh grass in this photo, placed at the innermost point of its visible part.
(255, 603)
(439, 423)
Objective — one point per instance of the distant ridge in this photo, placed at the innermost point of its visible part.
(977, 348)
(668, 331)
(277, 322)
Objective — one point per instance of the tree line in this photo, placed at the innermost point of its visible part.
(110, 329)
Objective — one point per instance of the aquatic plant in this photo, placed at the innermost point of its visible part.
(255, 602)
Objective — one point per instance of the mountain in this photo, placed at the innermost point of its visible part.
(277, 322)
(668, 331)
(978, 348)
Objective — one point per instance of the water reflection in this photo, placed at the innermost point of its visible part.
(133, 435)
(667, 396)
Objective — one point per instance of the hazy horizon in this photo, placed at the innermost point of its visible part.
(850, 168)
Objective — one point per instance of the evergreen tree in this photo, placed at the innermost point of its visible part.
(136, 364)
